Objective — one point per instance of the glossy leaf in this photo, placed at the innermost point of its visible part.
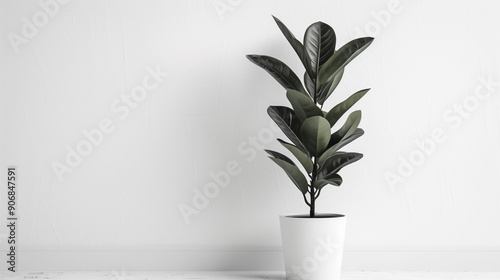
(326, 154)
(293, 173)
(336, 162)
(315, 134)
(338, 111)
(319, 42)
(327, 89)
(342, 57)
(303, 106)
(279, 71)
(296, 45)
(347, 129)
(289, 123)
(299, 155)
(279, 156)
(310, 85)
(333, 179)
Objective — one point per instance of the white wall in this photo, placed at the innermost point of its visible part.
(123, 198)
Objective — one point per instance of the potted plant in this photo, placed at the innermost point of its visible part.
(313, 243)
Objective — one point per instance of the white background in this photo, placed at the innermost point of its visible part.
(427, 58)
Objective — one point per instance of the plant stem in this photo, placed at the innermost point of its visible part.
(311, 211)
(311, 191)
(312, 206)
(318, 193)
(305, 200)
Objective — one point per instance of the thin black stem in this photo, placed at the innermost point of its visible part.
(305, 199)
(317, 194)
(312, 207)
(312, 191)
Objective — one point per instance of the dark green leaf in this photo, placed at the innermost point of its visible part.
(310, 85)
(326, 89)
(336, 162)
(289, 123)
(315, 134)
(279, 70)
(347, 129)
(333, 179)
(332, 149)
(279, 156)
(338, 111)
(342, 57)
(301, 157)
(293, 173)
(296, 45)
(303, 106)
(319, 42)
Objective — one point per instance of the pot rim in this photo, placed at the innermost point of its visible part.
(317, 216)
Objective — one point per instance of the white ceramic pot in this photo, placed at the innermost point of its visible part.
(313, 247)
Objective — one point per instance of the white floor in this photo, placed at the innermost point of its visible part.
(141, 275)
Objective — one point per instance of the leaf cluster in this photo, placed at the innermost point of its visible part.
(306, 125)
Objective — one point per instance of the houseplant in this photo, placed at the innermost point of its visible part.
(313, 243)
